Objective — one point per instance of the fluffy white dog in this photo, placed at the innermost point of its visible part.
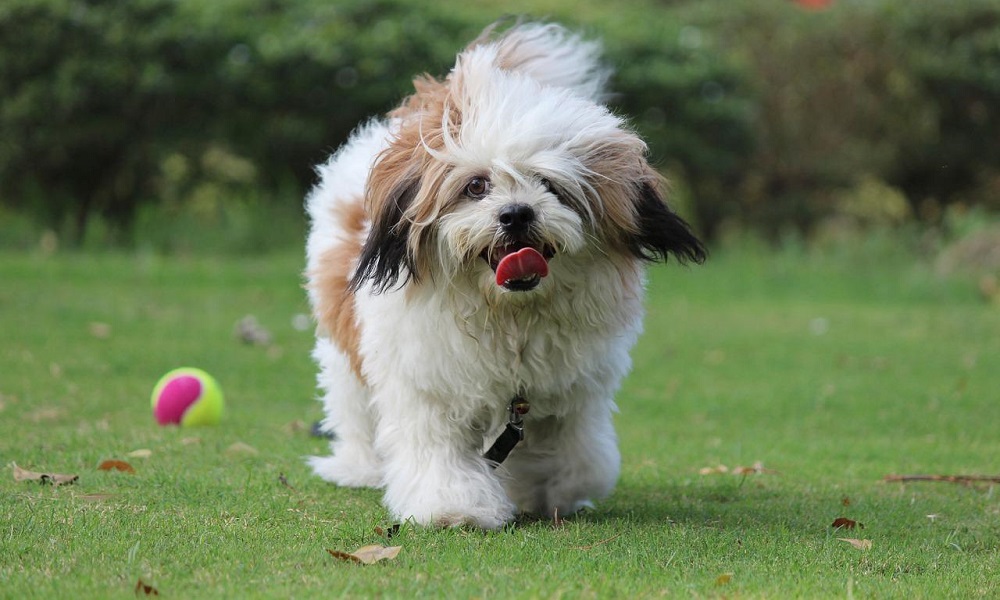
(479, 252)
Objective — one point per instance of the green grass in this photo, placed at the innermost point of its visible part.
(832, 369)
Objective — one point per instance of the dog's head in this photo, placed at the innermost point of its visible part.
(508, 163)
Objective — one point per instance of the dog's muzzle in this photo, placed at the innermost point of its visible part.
(519, 266)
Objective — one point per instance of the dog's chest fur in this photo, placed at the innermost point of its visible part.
(471, 354)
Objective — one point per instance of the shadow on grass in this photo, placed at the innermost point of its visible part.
(717, 503)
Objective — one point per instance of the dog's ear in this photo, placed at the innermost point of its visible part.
(385, 254)
(660, 232)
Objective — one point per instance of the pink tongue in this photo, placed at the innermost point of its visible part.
(522, 264)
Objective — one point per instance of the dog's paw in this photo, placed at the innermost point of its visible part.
(469, 517)
(483, 507)
(347, 469)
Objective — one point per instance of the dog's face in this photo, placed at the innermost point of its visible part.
(492, 174)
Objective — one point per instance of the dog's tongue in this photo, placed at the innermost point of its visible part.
(523, 264)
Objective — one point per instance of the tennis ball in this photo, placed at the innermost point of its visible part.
(187, 396)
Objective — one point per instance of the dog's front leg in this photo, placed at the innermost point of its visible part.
(565, 463)
(433, 471)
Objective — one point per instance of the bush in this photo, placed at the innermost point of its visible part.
(691, 103)
(132, 90)
(952, 51)
(900, 92)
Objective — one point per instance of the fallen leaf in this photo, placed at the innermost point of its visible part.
(188, 441)
(54, 478)
(101, 331)
(116, 465)
(756, 469)
(367, 555)
(296, 426)
(845, 501)
(374, 553)
(845, 523)
(45, 414)
(723, 579)
(241, 448)
(140, 453)
(144, 588)
(713, 470)
(345, 556)
(859, 544)
(962, 479)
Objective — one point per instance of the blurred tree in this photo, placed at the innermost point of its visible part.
(100, 97)
(85, 102)
(952, 50)
(692, 105)
(765, 113)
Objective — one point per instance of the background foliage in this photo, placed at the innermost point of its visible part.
(118, 117)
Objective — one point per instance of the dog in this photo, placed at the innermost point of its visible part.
(478, 253)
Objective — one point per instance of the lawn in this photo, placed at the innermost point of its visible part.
(771, 394)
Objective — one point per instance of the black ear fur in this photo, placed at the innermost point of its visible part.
(386, 251)
(662, 232)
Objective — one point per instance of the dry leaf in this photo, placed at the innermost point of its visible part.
(241, 448)
(55, 478)
(45, 414)
(962, 479)
(723, 579)
(190, 440)
(367, 555)
(101, 331)
(345, 556)
(296, 426)
(374, 553)
(144, 588)
(845, 523)
(713, 470)
(859, 544)
(845, 501)
(140, 453)
(116, 465)
(756, 469)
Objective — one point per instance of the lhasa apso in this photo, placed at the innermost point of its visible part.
(476, 267)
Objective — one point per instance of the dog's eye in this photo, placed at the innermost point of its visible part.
(477, 187)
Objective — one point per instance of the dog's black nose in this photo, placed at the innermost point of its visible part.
(516, 218)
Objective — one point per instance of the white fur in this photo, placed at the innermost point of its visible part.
(443, 357)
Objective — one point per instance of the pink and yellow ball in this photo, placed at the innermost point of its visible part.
(187, 396)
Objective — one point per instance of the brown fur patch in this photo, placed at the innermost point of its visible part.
(621, 164)
(406, 160)
(331, 281)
